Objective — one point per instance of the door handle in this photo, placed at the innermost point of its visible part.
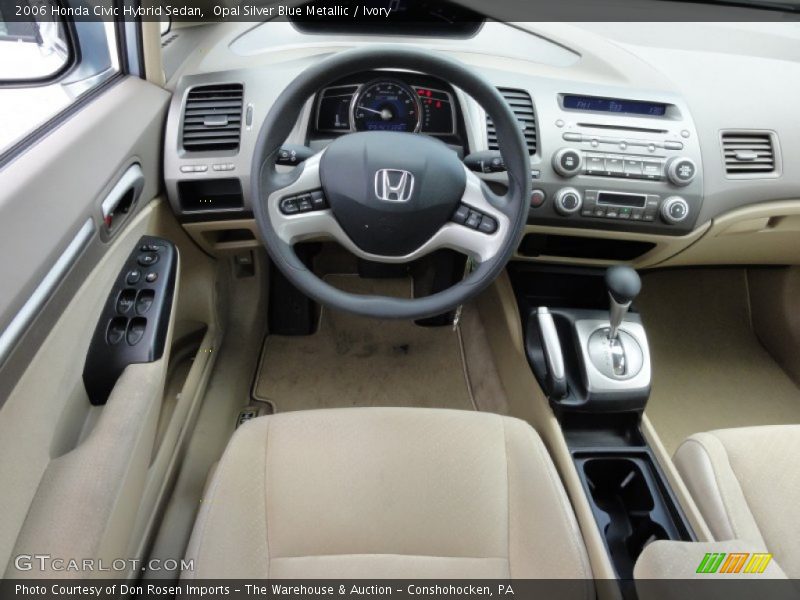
(122, 197)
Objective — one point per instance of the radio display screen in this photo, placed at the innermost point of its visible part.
(615, 105)
(632, 200)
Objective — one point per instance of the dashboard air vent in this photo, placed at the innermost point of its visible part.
(522, 105)
(212, 119)
(748, 153)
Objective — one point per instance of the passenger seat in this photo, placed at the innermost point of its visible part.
(746, 483)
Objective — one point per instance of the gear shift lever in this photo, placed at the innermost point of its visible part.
(623, 285)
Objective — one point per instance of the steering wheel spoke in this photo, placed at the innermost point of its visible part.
(299, 211)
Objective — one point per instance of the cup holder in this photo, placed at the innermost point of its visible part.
(629, 509)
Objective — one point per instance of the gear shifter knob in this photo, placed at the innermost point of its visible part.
(623, 285)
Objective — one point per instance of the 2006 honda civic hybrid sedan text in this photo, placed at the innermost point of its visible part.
(399, 298)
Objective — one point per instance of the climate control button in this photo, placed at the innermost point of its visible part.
(567, 162)
(674, 210)
(567, 201)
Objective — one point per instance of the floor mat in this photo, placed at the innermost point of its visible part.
(354, 361)
(709, 369)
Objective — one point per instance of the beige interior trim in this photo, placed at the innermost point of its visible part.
(666, 246)
(684, 498)
(499, 313)
(211, 235)
(774, 315)
(151, 49)
(762, 234)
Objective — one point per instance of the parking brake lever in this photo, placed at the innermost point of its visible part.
(554, 357)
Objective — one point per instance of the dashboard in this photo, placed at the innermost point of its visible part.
(632, 159)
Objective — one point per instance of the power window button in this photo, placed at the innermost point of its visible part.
(148, 259)
(136, 331)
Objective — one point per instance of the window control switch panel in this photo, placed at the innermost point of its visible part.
(134, 323)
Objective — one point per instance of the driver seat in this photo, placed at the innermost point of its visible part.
(387, 493)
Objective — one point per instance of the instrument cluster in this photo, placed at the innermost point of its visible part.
(384, 101)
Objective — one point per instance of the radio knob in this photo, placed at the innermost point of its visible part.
(681, 170)
(674, 210)
(568, 201)
(567, 162)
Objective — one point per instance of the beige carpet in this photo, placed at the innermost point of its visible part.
(354, 361)
(709, 369)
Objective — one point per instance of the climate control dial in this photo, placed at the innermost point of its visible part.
(568, 201)
(674, 210)
(567, 162)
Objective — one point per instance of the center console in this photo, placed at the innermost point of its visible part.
(588, 348)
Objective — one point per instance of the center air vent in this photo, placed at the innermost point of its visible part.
(748, 153)
(212, 119)
(522, 105)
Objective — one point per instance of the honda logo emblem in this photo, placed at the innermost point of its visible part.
(394, 185)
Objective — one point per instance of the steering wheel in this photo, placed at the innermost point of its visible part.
(389, 197)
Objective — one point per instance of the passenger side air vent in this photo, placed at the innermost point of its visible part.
(522, 105)
(748, 153)
(212, 119)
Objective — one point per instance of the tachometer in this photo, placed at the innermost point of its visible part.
(386, 106)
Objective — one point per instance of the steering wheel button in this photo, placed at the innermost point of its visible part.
(304, 203)
(318, 201)
(289, 206)
(473, 220)
(461, 214)
(487, 225)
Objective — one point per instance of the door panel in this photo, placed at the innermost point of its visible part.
(76, 480)
(42, 437)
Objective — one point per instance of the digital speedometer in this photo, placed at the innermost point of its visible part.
(386, 106)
